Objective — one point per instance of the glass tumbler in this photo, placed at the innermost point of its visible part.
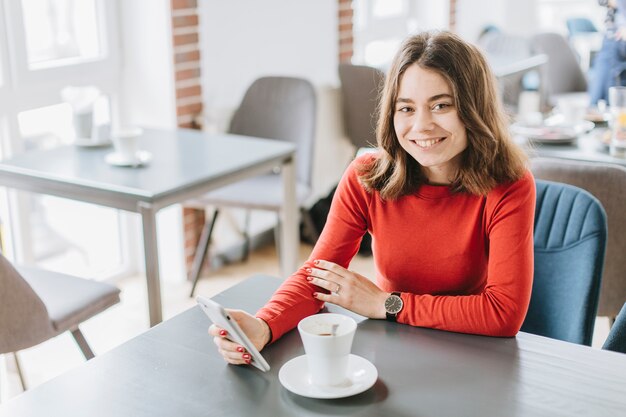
(617, 104)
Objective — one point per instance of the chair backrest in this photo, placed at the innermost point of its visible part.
(616, 341)
(576, 25)
(282, 108)
(24, 320)
(504, 49)
(360, 86)
(562, 74)
(608, 184)
(569, 247)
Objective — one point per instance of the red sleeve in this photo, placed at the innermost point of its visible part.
(339, 242)
(500, 309)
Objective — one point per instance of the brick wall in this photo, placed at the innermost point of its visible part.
(452, 18)
(346, 40)
(185, 40)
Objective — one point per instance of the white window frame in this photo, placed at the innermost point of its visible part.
(23, 89)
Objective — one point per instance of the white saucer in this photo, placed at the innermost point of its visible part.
(90, 143)
(294, 375)
(141, 158)
(552, 132)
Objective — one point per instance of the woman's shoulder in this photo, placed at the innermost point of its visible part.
(522, 188)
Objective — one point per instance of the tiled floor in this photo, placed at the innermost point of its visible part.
(129, 318)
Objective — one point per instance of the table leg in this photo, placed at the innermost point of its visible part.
(151, 259)
(289, 221)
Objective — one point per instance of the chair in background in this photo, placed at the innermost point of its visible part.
(562, 75)
(505, 52)
(569, 247)
(578, 25)
(608, 184)
(360, 86)
(36, 305)
(616, 341)
(280, 108)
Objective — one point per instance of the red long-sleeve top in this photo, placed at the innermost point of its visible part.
(462, 262)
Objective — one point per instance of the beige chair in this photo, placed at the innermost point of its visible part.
(36, 305)
(360, 86)
(279, 108)
(562, 75)
(608, 184)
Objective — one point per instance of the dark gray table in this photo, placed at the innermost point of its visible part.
(186, 163)
(174, 370)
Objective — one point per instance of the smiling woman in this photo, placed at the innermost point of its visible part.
(447, 199)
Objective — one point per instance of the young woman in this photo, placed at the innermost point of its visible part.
(447, 199)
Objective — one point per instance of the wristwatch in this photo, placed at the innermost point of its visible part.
(393, 305)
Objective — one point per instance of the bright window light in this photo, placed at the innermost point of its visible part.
(60, 30)
(388, 8)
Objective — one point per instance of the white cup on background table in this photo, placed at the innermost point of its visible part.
(126, 143)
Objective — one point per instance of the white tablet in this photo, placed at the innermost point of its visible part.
(222, 319)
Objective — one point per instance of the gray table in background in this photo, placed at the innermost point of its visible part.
(586, 148)
(186, 163)
(174, 370)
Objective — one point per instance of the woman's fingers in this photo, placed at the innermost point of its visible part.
(232, 352)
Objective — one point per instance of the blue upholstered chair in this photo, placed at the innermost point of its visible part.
(570, 242)
(617, 336)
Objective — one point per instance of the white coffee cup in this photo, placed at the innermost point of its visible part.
(327, 351)
(573, 109)
(83, 123)
(101, 133)
(126, 142)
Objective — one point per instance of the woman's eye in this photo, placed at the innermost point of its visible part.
(441, 106)
(403, 109)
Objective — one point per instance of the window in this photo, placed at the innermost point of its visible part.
(55, 44)
(59, 31)
(381, 25)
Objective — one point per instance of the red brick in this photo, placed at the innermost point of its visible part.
(346, 13)
(184, 4)
(185, 39)
(187, 56)
(185, 21)
(187, 74)
(195, 90)
(192, 109)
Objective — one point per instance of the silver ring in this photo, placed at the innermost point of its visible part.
(338, 288)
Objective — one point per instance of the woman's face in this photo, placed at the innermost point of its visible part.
(428, 125)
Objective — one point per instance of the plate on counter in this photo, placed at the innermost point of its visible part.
(557, 133)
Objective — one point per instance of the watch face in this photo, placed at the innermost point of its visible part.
(393, 304)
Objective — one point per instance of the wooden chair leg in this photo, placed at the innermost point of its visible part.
(82, 343)
(201, 251)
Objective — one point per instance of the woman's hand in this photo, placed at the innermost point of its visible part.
(256, 329)
(348, 289)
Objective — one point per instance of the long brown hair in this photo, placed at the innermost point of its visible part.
(491, 157)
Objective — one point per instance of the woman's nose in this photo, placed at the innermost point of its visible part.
(423, 121)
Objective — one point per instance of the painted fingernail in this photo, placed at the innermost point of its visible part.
(309, 278)
(239, 349)
(316, 262)
(314, 294)
(246, 356)
(222, 332)
(247, 361)
(309, 270)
